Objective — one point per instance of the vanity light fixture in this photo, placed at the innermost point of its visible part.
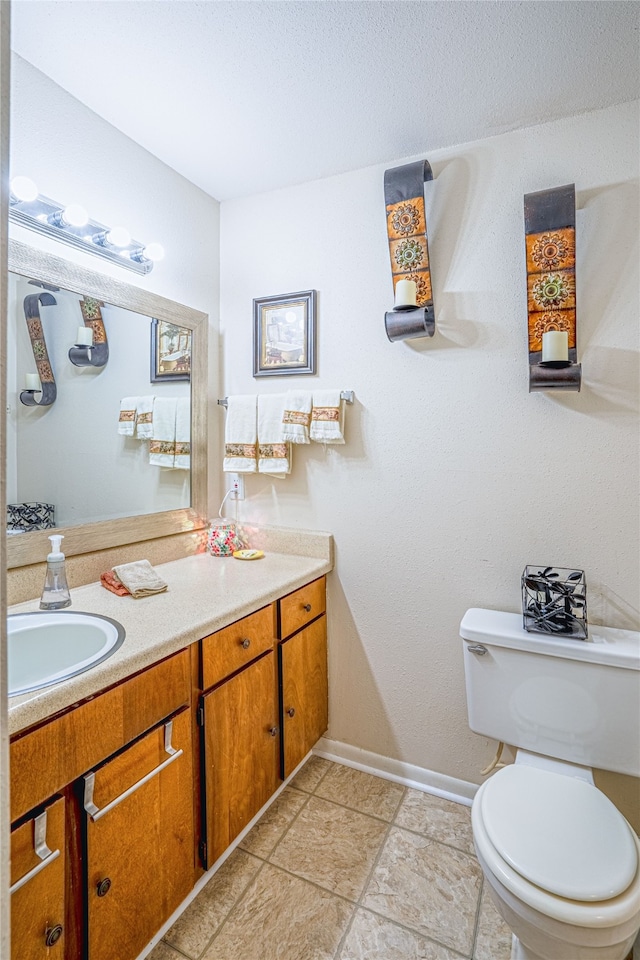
(550, 248)
(71, 224)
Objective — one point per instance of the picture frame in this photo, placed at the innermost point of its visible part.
(170, 352)
(284, 334)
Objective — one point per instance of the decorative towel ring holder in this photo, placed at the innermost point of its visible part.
(409, 250)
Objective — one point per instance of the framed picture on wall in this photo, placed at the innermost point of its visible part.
(284, 334)
(170, 352)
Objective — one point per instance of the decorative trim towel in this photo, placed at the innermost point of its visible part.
(240, 434)
(183, 434)
(274, 456)
(127, 420)
(140, 579)
(326, 417)
(162, 450)
(297, 416)
(144, 418)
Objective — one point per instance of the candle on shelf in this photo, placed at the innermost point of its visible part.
(555, 346)
(32, 381)
(84, 337)
(406, 293)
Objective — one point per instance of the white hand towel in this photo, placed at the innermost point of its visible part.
(162, 449)
(240, 433)
(144, 418)
(297, 416)
(326, 417)
(127, 421)
(183, 434)
(274, 456)
(140, 578)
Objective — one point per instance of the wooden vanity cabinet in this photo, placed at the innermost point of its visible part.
(38, 877)
(139, 839)
(302, 659)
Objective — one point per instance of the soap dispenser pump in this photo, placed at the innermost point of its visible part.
(55, 594)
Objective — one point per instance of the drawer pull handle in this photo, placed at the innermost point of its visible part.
(307, 607)
(291, 711)
(273, 732)
(89, 781)
(52, 935)
(245, 643)
(41, 849)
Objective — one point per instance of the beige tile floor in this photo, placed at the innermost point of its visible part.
(346, 866)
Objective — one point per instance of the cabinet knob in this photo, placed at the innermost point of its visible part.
(103, 887)
(52, 935)
(291, 711)
(245, 643)
(307, 607)
(273, 732)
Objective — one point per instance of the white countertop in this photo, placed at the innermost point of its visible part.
(205, 594)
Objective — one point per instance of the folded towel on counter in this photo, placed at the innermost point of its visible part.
(127, 420)
(274, 456)
(144, 418)
(240, 434)
(110, 581)
(297, 416)
(140, 579)
(326, 417)
(162, 449)
(183, 434)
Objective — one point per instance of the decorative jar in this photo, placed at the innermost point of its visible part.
(222, 538)
(554, 601)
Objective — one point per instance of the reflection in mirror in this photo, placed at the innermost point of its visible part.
(118, 455)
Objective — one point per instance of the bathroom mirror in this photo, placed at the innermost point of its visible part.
(105, 487)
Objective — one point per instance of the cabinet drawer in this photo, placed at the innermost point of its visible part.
(38, 886)
(234, 646)
(67, 746)
(302, 606)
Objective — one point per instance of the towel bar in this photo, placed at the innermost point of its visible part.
(347, 395)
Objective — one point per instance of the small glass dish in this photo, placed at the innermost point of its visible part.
(222, 538)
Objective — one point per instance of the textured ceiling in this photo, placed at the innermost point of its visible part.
(252, 95)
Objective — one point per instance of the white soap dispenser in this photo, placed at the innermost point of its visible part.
(55, 594)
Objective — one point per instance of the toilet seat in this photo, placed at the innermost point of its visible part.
(605, 913)
(559, 832)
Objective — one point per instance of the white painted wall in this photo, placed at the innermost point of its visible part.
(73, 154)
(453, 477)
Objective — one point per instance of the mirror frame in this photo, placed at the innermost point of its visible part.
(90, 537)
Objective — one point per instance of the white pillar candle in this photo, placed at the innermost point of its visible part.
(84, 337)
(32, 381)
(555, 345)
(406, 293)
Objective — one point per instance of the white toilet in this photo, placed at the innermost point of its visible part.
(561, 862)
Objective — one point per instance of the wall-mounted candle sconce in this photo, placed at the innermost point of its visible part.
(550, 241)
(43, 381)
(413, 313)
(91, 348)
(71, 224)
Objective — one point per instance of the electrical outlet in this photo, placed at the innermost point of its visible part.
(236, 486)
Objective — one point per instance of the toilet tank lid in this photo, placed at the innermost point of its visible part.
(607, 645)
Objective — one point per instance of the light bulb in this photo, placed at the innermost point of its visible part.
(118, 237)
(24, 189)
(153, 251)
(74, 215)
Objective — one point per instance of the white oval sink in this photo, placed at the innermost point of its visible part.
(46, 647)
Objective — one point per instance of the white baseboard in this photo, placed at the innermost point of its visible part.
(461, 791)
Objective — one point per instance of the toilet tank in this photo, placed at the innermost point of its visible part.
(575, 700)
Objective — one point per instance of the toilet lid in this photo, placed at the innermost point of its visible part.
(559, 832)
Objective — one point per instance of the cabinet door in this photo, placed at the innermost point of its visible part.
(304, 686)
(241, 743)
(37, 886)
(139, 833)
